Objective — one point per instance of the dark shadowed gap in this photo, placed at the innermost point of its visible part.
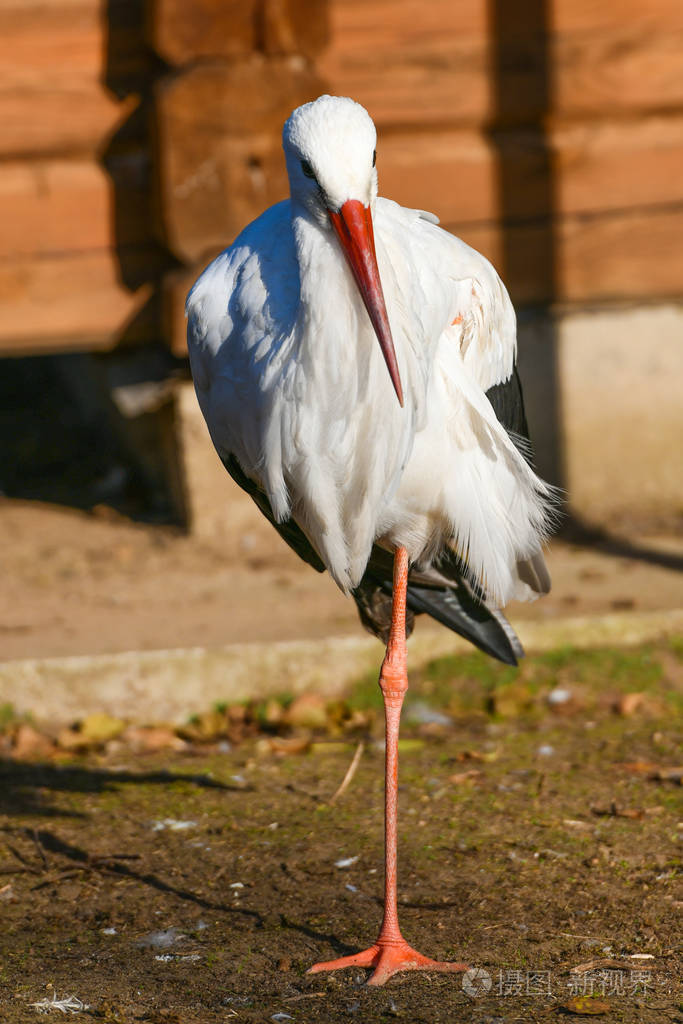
(84, 428)
(522, 101)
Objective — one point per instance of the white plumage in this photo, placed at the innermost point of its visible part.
(293, 384)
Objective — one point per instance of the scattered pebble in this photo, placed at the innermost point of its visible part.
(559, 696)
(419, 711)
(545, 750)
(173, 825)
(109, 931)
(236, 885)
(161, 939)
(346, 862)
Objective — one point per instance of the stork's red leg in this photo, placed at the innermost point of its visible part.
(391, 953)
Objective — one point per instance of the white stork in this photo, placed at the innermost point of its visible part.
(415, 448)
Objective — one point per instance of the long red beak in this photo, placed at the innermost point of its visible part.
(353, 225)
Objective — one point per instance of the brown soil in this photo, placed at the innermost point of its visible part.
(528, 847)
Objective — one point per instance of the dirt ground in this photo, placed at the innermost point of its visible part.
(540, 810)
(540, 846)
(77, 583)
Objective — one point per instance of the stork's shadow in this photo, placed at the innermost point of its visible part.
(27, 789)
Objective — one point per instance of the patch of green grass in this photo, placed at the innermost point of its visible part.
(365, 693)
(467, 682)
(10, 717)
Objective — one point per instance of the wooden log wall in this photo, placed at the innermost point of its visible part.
(593, 156)
(135, 136)
(138, 136)
(219, 115)
(547, 133)
(78, 261)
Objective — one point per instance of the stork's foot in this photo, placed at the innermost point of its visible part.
(387, 959)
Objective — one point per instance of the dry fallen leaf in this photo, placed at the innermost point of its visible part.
(307, 711)
(288, 744)
(29, 744)
(151, 738)
(587, 1006)
(460, 777)
(639, 767)
(99, 727)
(629, 703)
(617, 812)
(669, 775)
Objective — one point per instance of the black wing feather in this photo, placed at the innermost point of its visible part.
(456, 606)
(507, 401)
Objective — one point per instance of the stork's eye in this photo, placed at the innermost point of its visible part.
(307, 169)
(374, 157)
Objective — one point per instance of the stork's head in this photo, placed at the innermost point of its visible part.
(330, 151)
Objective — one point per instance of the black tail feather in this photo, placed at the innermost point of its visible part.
(462, 613)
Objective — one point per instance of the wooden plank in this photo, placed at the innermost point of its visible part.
(414, 63)
(621, 256)
(220, 158)
(580, 168)
(294, 26)
(588, 16)
(67, 77)
(364, 27)
(75, 301)
(53, 206)
(86, 37)
(71, 116)
(630, 255)
(184, 30)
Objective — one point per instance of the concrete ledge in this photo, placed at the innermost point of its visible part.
(170, 685)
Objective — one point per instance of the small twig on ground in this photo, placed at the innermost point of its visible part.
(39, 847)
(61, 877)
(349, 774)
(306, 995)
(602, 962)
(20, 857)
